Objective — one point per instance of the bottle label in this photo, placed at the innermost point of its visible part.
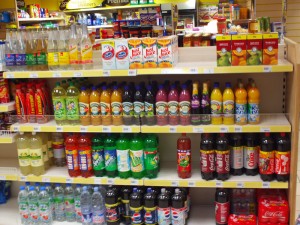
(161, 108)
(266, 162)
(116, 108)
(123, 160)
(72, 159)
(77, 207)
(73, 49)
(34, 211)
(250, 157)
(184, 108)
(222, 212)
(110, 159)
(150, 216)
(63, 58)
(41, 58)
(207, 161)
(236, 157)
(228, 108)
(85, 160)
(45, 212)
(87, 218)
(10, 59)
(72, 108)
(59, 106)
(137, 160)
(31, 59)
(95, 108)
(84, 108)
(87, 54)
(139, 109)
(98, 159)
(173, 108)
(222, 161)
(52, 58)
(69, 207)
(105, 108)
(20, 59)
(149, 109)
(24, 157)
(216, 107)
(282, 163)
(184, 160)
(164, 216)
(127, 108)
(36, 157)
(112, 214)
(23, 209)
(59, 153)
(99, 217)
(240, 113)
(178, 216)
(151, 159)
(253, 112)
(136, 215)
(195, 103)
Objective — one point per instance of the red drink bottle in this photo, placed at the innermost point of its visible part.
(185, 105)
(85, 155)
(184, 157)
(161, 106)
(71, 146)
(173, 106)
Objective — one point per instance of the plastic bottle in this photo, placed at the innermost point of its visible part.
(45, 207)
(228, 105)
(136, 207)
(27, 186)
(253, 104)
(150, 107)
(250, 155)
(21, 51)
(184, 157)
(125, 196)
(173, 105)
(207, 156)
(95, 107)
(33, 206)
(49, 189)
(240, 105)
(195, 105)
(58, 149)
(59, 104)
(36, 155)
(222, 158)
(161, 106)
(216, 99)
(222, 206)
(105, 102)
(127, 106)
(137, 157)
(184, 105)
(77, 196)
(98, 156)
(85, 155)
(71, 146)
(267, 158)
(282, 158)
(112, 210)
(37, 187)
(86, 206)
(23, 154)
(44, 138)
(178, 208)
(31, 50)
(41, 47)
(138, 105)
(10, 51)
(164, 208)
(150, 208)
(52, 56)
(84, 107)
(59, 206)
(23, 206)
(72, 104)
(123, 158)
(98, 208)
(63, 50)
(151, 157)
(110, 155)
(86, 50)
(73, 49)
(236, 154)
(116, 106)
(69, 203)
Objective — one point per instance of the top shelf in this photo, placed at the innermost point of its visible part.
(28, 20)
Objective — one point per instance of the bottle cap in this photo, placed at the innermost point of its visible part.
(104, 88)
(228, 84)
(184, 86)
(57, 185)
(126, 88)
(115, 87)
(83, 88)
(68, 185)
(84, 188)
(138, 87)
(22, 188)
(71, 83)
(37, 184)
(42, 188)
(27, 183)
(94, 88)
(149, 190)
(161, 86)
(216, 85)
(31, 188)
(96, 189)
(149, 87)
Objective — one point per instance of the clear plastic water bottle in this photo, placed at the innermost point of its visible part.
(49, 189)
(10, 50)
(102, 190)
(59, 206)
(69, 203)
(33, 206)
(27, 186)
(77, 195)
(37, 187)
(21, 51)
(45, 207)
(85, 202)
(98, 208)
(23, 205)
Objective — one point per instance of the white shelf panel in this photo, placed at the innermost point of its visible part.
(100, 26)
(39, 19)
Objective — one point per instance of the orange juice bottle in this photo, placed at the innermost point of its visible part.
(105, 106)
(249, 85)
(116, 106)
(95, 107)
(216, 105)
(253, 104)
(241, 105)
(228, 105)
(84, 107)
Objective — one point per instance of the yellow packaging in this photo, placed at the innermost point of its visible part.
(135, 53)
(149, 52)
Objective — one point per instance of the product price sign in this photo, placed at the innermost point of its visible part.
(265, 129)
(3, 177)
(9, 75)
(175, 183)
(131, 72)
(240, 185)
(46, 179)
(208, 71)
(192, 184)
(110, 181)
(198, 130)
(127, 129)
(83, 129)
(23, 178)
(77, 74)
(33, 75)
(237, 129)
(267, 69)
(219, 184)
(36, 128)
(173, 129)
(266, 185)
(59, 129)
(97, 181)
(16, 128)
(56, 74)
(194, 70)
(223, 129)
(106, 129)
(134, 182)
(69, 180)
(106, 73)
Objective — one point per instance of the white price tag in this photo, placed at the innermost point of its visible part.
(16, 128)
(77, 74)
(106, 129)
(173, 129)
(36, 128)
(219, 184)
(267, 69)
(2, 177)
(33, 75)
(110, 181)
(165, 71)
(240, 185)
(97, 181)
(46, 179)
(238, 129)
(127, 129)
(265, 129)
(131, 72)
(192, 184)
(224, 129)
(198, 130)
(194, 70)
(106, 73)
(266, 185)
(59, 129)
(209, 70)
(83, 129)
(10, 75)
(69, 180)
(23, 178)
(56, 74)
(134, 182)
(174, 183)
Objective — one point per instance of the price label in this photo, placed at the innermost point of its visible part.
(198, 130)
(33, 75)
(266, 185)
(36, 128)
(23, 178)
(10, 75)
(2, 177)
(77, 74)
(46, 179)
(192, 184)
(224, 129)
(97, 181)
(165, 71)
(209, 70)
(127, 129)
(59, 129)
(240, 185)
(56, 74)
(106, 73)
(110, 181)
(106, 129)
(267, 69)
(83, 129)
(194, 70)
(131, 72)
(219, 184)
(265, 129)
(134, 182)
(237, 129)
(16, 128)
(173, 129)
(69, 180)
(174, 183)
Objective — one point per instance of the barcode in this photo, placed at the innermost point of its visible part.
(267, 69)
(131, 72)
(173, 129)
(59, 129)
(56, 74)
(78, 74)
(83, 129)
(10, 75)
(106, 73)
(33, 75)
(193, 70)
(106, 129)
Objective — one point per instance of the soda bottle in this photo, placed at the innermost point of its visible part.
(150, 106)
(52, 56)
(111, 204)
(123, 158)
(125, 196)
(151, 157)
(240, 105)
(33, 206)
(72, 104)
(195, 103)
(222, 206)
(187, 200)
(98, 156)
(161, 106)
(105, 106)
(138, 105)
(184, 157)
(282, 158)
(110, 155)
(45, 207)
(137, 157)
(36, 155)
(250, 155)
(84, 107)
(98, 208)
(23, 206)
(207, 156)
(266, 158)
(86, 48)
(205, 105)
(85, 155)
(44, 137)
(31, 50)
(21, 51)
(59, 104)
(150, 208)
(228, 105)
(75, 61)
(69, 203)
(59, 206)
(236, 154)
(23, 154)
(136, 207)
(41, 47)
(58, 149)
(184, 105)
(222, 158)
(173, 105)
(95, 107)
(163, 208)
(178, 208)
(116, 106)
(63, 50)
(127, 106)
(253, 104)
(216, 99)
(71, 146)
(77, 203)
(86, 206)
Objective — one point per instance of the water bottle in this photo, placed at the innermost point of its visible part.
(23, 205)
(77, 194)
(45, 207)
(102, 190)
(33, 206)
(27, 186)
(49, 189)
(85, 202)
(69, 203)
(37, 187)
(59, 207)
(98, 208)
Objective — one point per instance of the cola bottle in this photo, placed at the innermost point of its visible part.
(164, 209)
(178, 209)
(236, 154)
(125, 195)
(136, 207)
(282, 158)
(207, 157)
(222, 158)
(112, 210)
(222, 206)
(267, 158)
(150, 209)
(250, 155)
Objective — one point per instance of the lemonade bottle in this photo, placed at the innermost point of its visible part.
(105, 106)
(95, 107)
(241, 105)
(36, 155)
(23, 154)
(72, 105)
(59, 104)
(84, 107)
(228, 105)
(216, 105)
(44, 138)
(253, 104)
(116, 106)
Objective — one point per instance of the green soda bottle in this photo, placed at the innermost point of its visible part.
(137, 157)
(151, 156)
(59, 104)
(110, 154)
(123, 159)
(72, 104)
(98, 156)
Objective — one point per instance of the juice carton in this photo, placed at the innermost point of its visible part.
(149, 52)
(135, 53)
(238, 45)
(165, 52)
(223, 50)
(122, 54)
(108, 55)
(270, 46)
(254, 49)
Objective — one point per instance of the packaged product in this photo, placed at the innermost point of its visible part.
(254, 49)
(149, 52)
(223, 50)
(135, 53)
(270, 49)
(108, 55)
(238, 44)
(122, 54)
